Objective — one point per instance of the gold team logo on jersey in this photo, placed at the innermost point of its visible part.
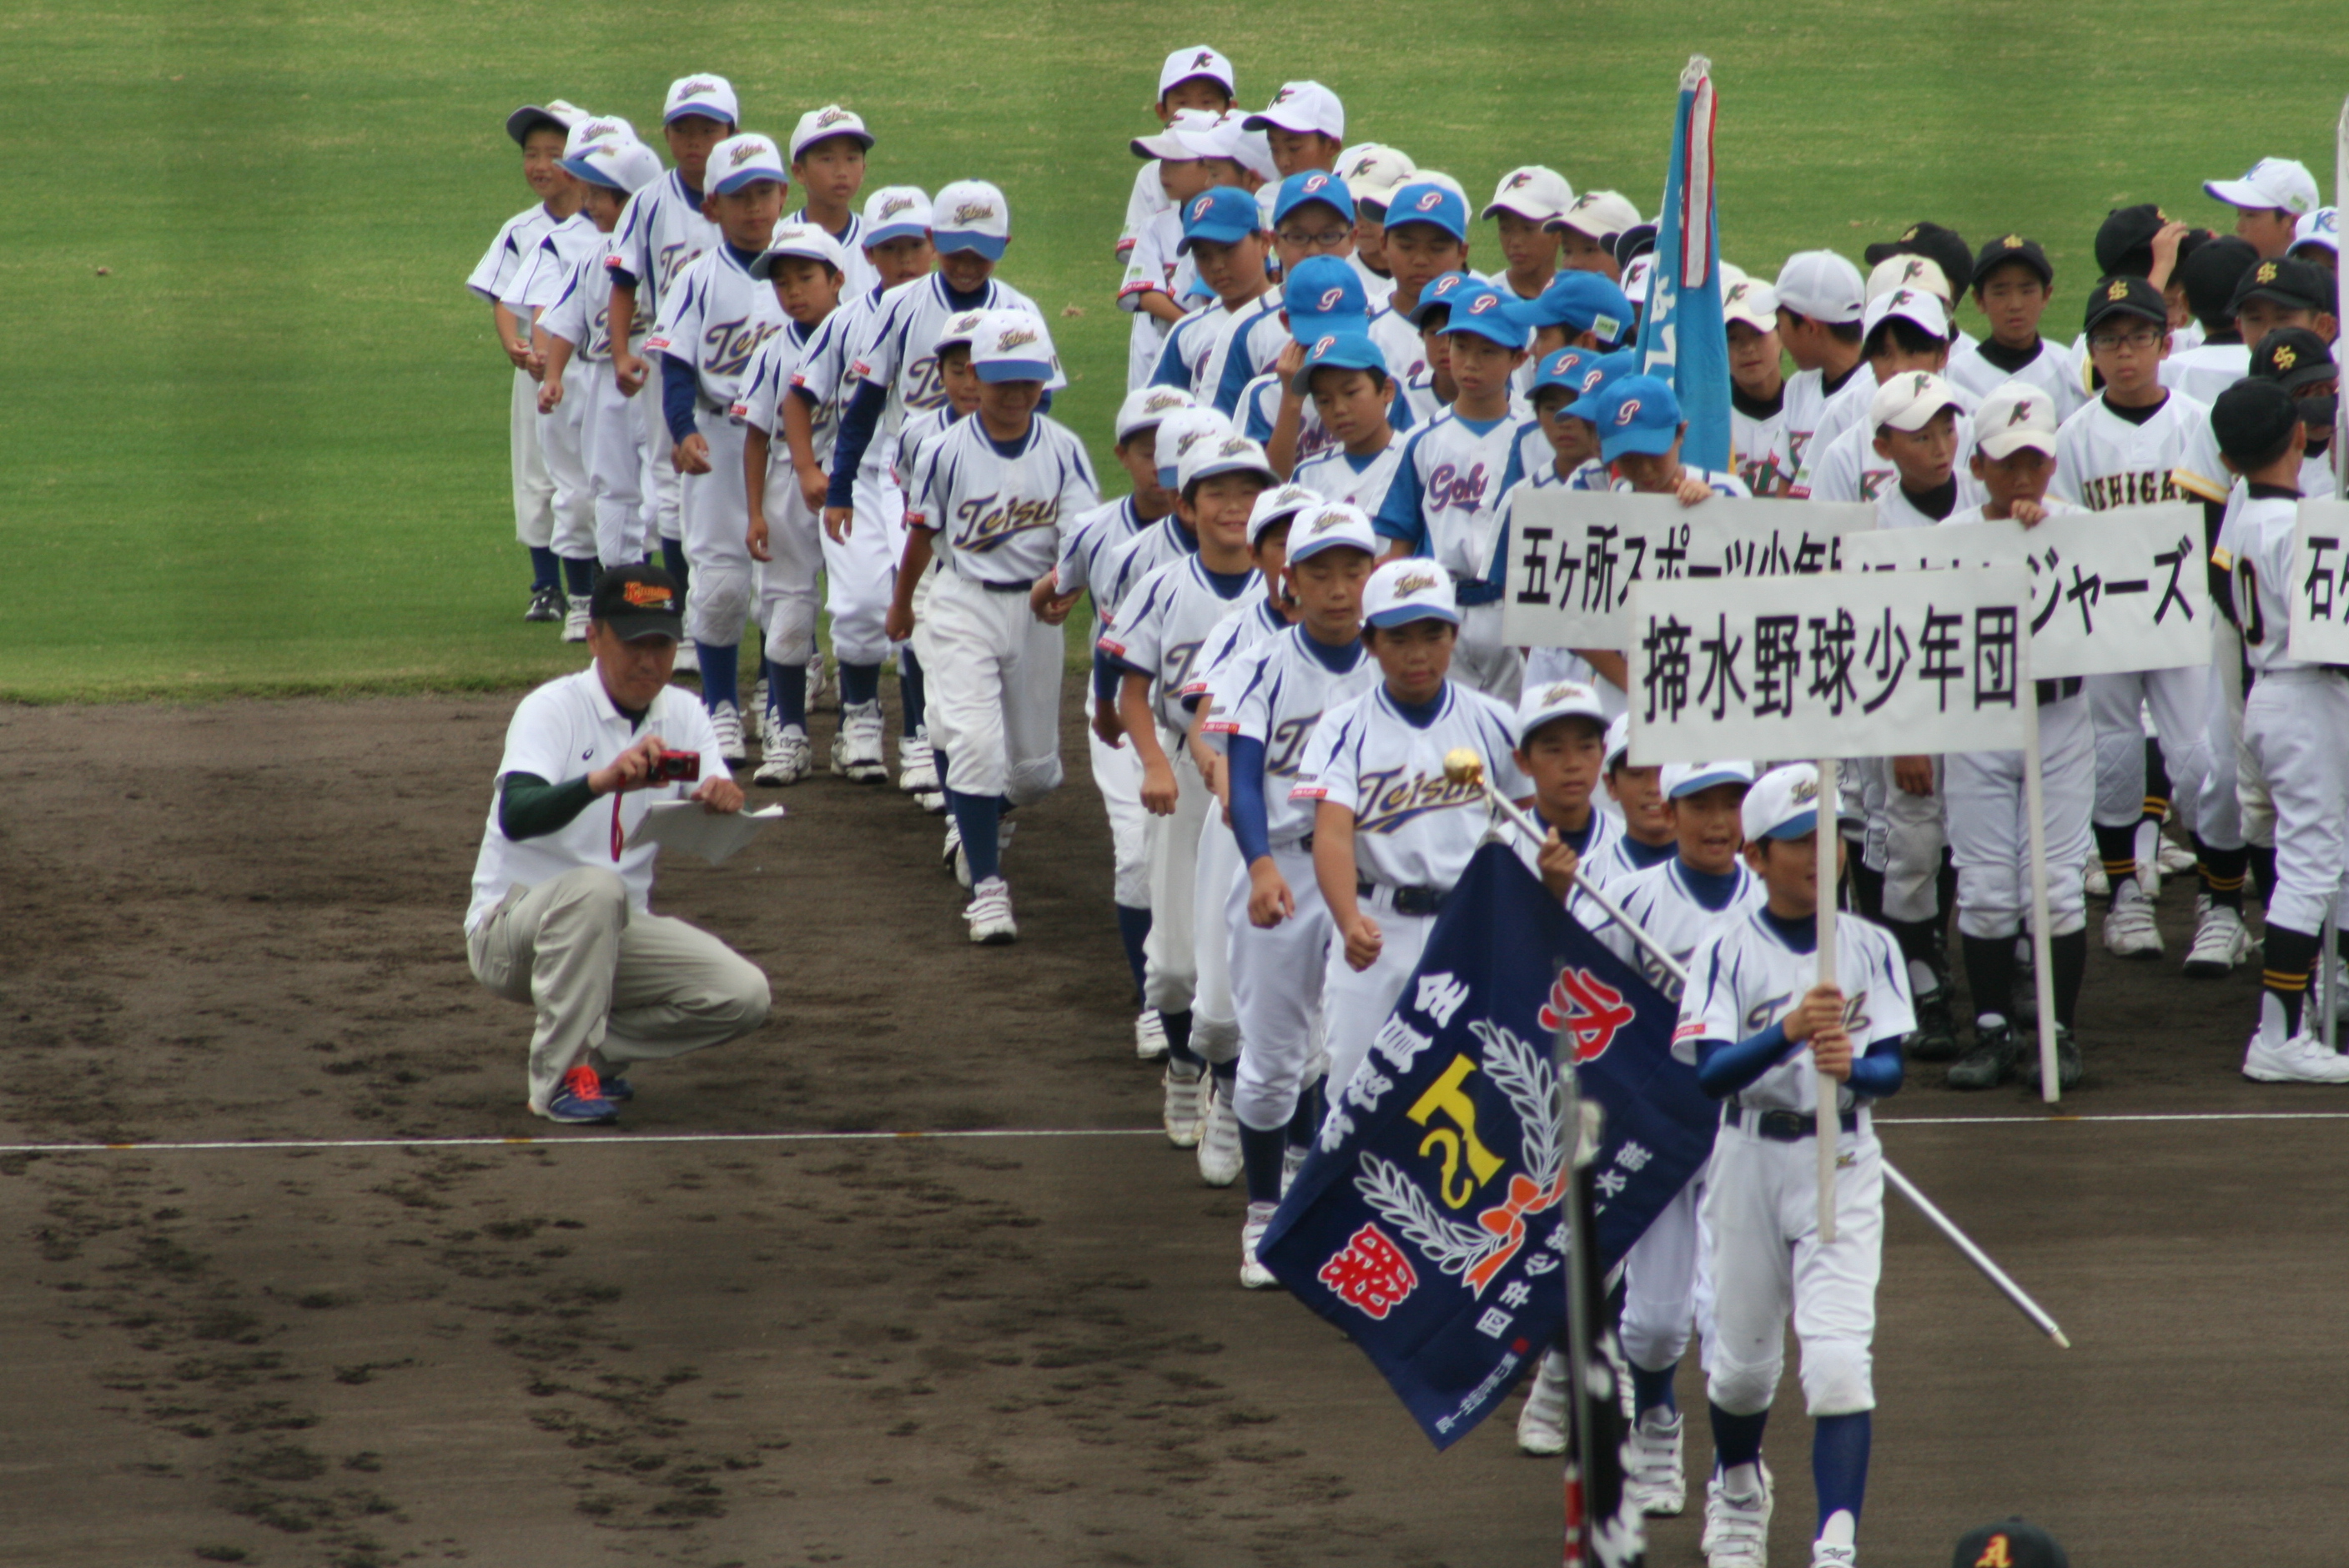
(2118, 292)
(974, 212)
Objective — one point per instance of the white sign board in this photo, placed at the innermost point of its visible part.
(2111, 591)
(1575, 555)
(1845, 665)
(2320, 584)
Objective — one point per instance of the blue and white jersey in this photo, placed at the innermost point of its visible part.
(538, 281)
(1406, 359)
(1412, 826)
(1165, 623)
(1251, 340)
(1112, 576)
(759, 405)
(1182, 361)
(1746, 978)
(919, 430)
(1446, 500)
(1662, 901)
(582, 313)
(517, 237)
(714, 317)
(823, 375)
(661, 230)
(1087, 547)
(1599, 841)
(1260, 406)
(900, 348)
(1337, 475)
(1275, 692)
(860, 277)
(997, 511)
(1252, 618)
(1714, 480)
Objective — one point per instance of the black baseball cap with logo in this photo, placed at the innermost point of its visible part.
(2292, 357)
(2294, 284)
(2013, 248)
(1939, 244)
(640, 602)
(2125, 240)
(2253, 421)
(2009, 1544)
(2210, 275)
(2125, 296)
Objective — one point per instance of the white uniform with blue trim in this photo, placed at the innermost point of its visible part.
(534, 491)
(535, 285)
(787, 593)
(1259, 408)
(899, 349)
(1336, 474)
(860, 278)
(660, 232)
(615, 430)
(860, 572)
(1444, 502)
(1246, 349)
(1086, 550)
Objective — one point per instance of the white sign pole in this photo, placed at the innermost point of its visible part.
(2042, 943)
(1830, 843)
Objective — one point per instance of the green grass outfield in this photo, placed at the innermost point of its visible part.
(257, 436)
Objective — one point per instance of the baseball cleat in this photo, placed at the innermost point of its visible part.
(1740, 1529)
(2219, 942)
(578, 1100)
(2096, 882)
(2129, 930)
(2068, 1065)
(856, 750)
(917, 772)
(546, 604)
(1936, 1037)
(2303, 1058)
(574, 621)
(788, 759)
(726, 720)
(1541, 1424)
(1184, 1113)
(1990, 1063)
(1149, 1034)
(935, 802)
(1655, 1477)
(989, 913)
(1254, 1275)
(2174, 858)
(822, 686)
(1828, 1555)
(1220, 1160)
(689, 659)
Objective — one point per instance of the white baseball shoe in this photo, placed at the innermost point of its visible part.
(2096, 882)
(2129, 930)
(1828, 1555)
(1541, 1425)
(989, 913)
(821, 685)
(1292, 1160)
(2303, 1058)
(2219, 942)
(726, 720)
(1149, 1034)
(1184, 1112)
(1220, 1160)
(1254, 1275)
(1739, 1531)
(689, 659)
(574, 621)
(950, 854)
(856, 750)
(917, 770)
(787, 759)
(2174, 858)
(935, 802)
(1655, 1478)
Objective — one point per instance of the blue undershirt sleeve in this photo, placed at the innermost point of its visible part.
(1876, 1075)
(857, 422)
(1251, 825)
(678, 382)
(1105, 675)
(1723, 1069)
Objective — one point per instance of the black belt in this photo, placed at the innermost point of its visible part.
(994, 587)
(1786, 1126)
(2058, 690)
(1406, 900)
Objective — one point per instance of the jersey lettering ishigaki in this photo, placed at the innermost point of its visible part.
(715, 319)
(998, 512)
(1412, 826)
(1747, 978)
(2104, 461)
(1276, 692)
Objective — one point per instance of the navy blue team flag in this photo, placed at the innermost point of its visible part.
(1682, 337)
(1425, 1223)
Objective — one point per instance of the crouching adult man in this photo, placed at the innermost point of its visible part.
(561, 917)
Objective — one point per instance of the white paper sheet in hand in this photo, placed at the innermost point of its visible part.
(684, 826)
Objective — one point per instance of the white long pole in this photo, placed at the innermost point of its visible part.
(1829, 840)
(2043, 944)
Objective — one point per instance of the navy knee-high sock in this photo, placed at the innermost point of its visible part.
(578, 577)
(673, 557)
(1263, 1154)
(1133, 931)
(1306, 1125)
(545, 569)
(910, 695)
(1178, 1042)
(1839, 1464)
(980, 818)
(859, 684)
(717, 674)
(787, 695)
(1652, 1388)
(1736, 1439)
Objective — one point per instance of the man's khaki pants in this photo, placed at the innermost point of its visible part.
(609, 984)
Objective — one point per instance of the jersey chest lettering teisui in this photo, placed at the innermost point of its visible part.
(1276, 693)
(716, 319)
(901, 350)
(998, 512)
(1412, 826)
(2104, 461)
(774, 371)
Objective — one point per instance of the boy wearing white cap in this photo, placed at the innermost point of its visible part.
(1757, 380)
(2269, 201)
(1588, 228)
(991, 495)
(1635, 795)
(1306, 126)
(1193, 77)
(828, 149)
(2316, 239)
(713, 317)
(1373, 173)
(1561, 749)
(1391, 832)
(1904, 332)
(1196, 151)
(1524, 202)
(1267, 701)
(1821, 302)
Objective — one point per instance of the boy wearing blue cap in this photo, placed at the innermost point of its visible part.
(1312, 216)
(1197, 151)
(1356, 403)
(1425, 237)
(1223, 236)
(1639, 434)
(1567, 458)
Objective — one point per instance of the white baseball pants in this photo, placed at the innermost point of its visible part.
(1117, 774)
(2179, 701)
(1355, 1002)
(1215, 1020)
(1483, 660)
(993, 678)
(717, 539)
(1905, 836)
(1668, 1284)
(562, 437)
(614, 438)
(787, 582)
(2296, 724)
(1278, 976)
(1990, 825)
(533, 486)
(664, 483)
(860, 573)
(1169, 980)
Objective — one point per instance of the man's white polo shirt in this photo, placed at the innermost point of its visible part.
(566, 730)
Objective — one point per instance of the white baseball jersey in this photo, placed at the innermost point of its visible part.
(997, 515)
(1895, 508)
(1746, 978)
(918, 431)
(1336, 474)
(1260, 406)
(1802, 400)
(1445, 498)
(517, 237)
(714, 317)
(582, 313)
(2106, 459)
(660, 230)
(1164, 624)
(1850, 468)
(1145, 202)
(1113, 574)
(1251, 339)
(1986, 366)
(1249, 621)
(1376, 289)
(1183, 362)
(2255, 549)
(1598, 839)
(860, 277)
(1665, 903)
(1626, 856)
(1150, 267)
(1275, 692)
(1412, 826)
(1755, 427)
(2207, 369)
(1406, 359)
(822, 374)
(538, 281)
(759, 403)
(1086, 547)
(1714, 479)
(900, 350)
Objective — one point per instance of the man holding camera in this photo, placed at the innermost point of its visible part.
(561, 916)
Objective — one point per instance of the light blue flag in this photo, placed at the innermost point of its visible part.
(1682, 337)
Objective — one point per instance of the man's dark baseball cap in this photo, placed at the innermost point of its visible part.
(1634, 242)
(2210, 275)
(640, 602)
(2125, 296)
(2010, 1544)
(2291, 358)
(2294, 284)
(2125, 232)
(1941, 246)
(2253, 421)
(2013, 248)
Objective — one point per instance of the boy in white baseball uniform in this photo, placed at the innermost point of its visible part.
(1425, 237)
(1392, 834)
(1562, 749)
(1197, 150)
(959, 379)
(828, 149)
(993, 492)
(1223, 233)
(1523, 203)
(1766, 1038)
(1636, 795)
(1821, 301)
(2268, 201)
(713, 318)
(1589, 229)
(1355, 401)
(1306, 126)
(1757, 381)
(1905, 331)
(1193, 77)
(2012, 283)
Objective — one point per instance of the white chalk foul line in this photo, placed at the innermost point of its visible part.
(640, 1140)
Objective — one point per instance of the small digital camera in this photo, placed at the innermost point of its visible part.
(675, 768)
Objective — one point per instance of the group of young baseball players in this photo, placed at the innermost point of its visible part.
(1331, 415)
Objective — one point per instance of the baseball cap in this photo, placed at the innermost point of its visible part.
(1273, 505)
(2292, 356)
(635, 602)
(895, 212)
(2320, 228)
(1198, 61)
(588, 130)
(970, 216)
(1584, 302)
(2015, 415)
(621, 163)
(1254, 149)
(1348, 348)
(1938, 243)
(1635, 414)
(2210, 272)
(1490, 314)
(1909, 270)
(1234, 454)
(1224, 215)
(744, 159)
(1598, 374)
(1563, 369)
(807, 241)
(1313, 185)
(1910, 305)
(1783, 804)
(1192, 133)
(1302, 106)
(1012, 346)
(2252, 419)
(1751, 301)
(1531, 191)
(2271, 183)
(1635, 277)
(1374, 171)
(1681, 779)
(1638, 240)
(2290, 282)
(2014, 1542)
(712, 97)
(1600, 214)
(1423, 201)
(1320, 292)
(2126, 231)
(556, 112)
(1823, 286)
(1553, 700)
(1329, 526)
(1619, 742)
(2014, 248)
(962, 329)
(1411, 589)
(822, 124)
(2125, 296)
(1183, 429)
(1146, 408)
(1443, 291)
(1910, 400)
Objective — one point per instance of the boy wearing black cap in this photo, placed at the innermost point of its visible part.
(2295, 729)
(2285, 293)
(2014, 280)
(2209, 275)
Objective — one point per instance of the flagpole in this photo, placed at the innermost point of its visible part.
(1828, 837)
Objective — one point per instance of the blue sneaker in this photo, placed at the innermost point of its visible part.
(617, 1089)
(580, 1098)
